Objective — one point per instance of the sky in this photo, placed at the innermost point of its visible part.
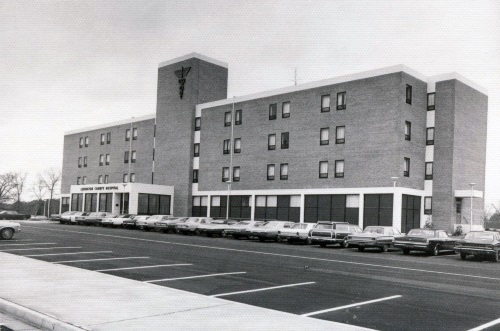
(66, 65)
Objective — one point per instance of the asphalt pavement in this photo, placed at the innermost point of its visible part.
(384, 291)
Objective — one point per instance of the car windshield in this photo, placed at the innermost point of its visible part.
(299, 226)
(422, 232)
(218, 222)
(480, 235)
(323, 226)
(374, 230)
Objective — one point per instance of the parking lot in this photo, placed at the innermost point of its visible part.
(385, 291)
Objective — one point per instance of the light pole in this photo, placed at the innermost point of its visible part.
(394, 179)
(471, 200)
(228, 197)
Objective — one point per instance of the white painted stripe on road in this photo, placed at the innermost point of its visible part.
(28, 244)
(16, 240)
(111, 258)
(33, 249)
(349, 306)
(487, 325)
(262, 289)
(190, 277)
(72, 253)
(145, 267)
(281, 255)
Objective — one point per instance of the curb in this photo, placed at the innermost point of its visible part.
(36, 319)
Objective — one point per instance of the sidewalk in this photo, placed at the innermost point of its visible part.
(58, 297)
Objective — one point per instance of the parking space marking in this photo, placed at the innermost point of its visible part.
(106, 259)
(147, 266)
(349, 306)
(28, 244)
(22, 240)
(487, 325)
(191, 277)
(32, 249)
(72, 253)
(261, 289)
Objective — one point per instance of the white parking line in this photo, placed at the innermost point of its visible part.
(28, 244)
(349, 306)
(72, 253)
(33, 249)
(262, 289)
(148, 266)
(111, 258)
(190, 277)
(16, 240)
(487, 325)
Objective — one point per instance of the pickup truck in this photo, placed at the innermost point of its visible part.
(326, 233)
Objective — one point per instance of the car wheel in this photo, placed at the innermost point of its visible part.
(385, 248)
(209, 234)
(262, 239)
(309, 241)
(7, 233)
(496, 256)
(463, 256)
(322, 245)
(406, 251)
(177, 231)
(289, 241)
(361, 249)
(344, 244)
(197, 232)
(235, 236)
(435, 251)
(277, 238)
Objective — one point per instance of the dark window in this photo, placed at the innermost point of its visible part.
(81, 142)
(408, 94)
(431, 101)
(127, 135)
(226, 148)
(270, 172)
(90, 202)
(325, 103)
(285, 109)
(126, 157)
(272, 111)
(236, 174)
(108, 138)
(196, 149)
(103, 138)
(428, 205)
(428, 170)
(323, 169)
(406, 171)
(340, 135)
(339, 169)
(195, 176)
(271, 141)
(84, 161)
(324, 136)
(153, 204)
(238, 117)
(197, 124)
(458, 202)
(134, 134)
(378, 209)
(225, 174)
(430, 136)
(284, 140)
(105, 202)
(76, 201)
(107, 159)
(78, 180)
(407, 130)
(341, 100)
(284, 171)
(86, 141)
(227, 118)
(237, 145)
(101, 159)
(80, 162)
(133, 157)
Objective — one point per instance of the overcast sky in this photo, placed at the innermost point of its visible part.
(65, 65)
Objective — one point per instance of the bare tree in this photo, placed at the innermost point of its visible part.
(19, 178)
(6, 186)
(39, 190)
(51, 178)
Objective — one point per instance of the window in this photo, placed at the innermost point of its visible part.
(431, 101)
(126, 157)
(339, 169)
(340, 135)
(284, 140)
(227, 118)
(325, 103)
(132, 177)
(108, 138)
(225, 174)
(458, 202)
(237, 145)
(81, 142)
(197, 124)
(285, 109)
(226, 146)
(341, 98)
(324, 136)
(84, 180)
(323, 169)
(106, 179)
(134, 134)
(284, 171)
(133, 157)
(85, 162)
(238, 117)
(270, 172)
(127, 135)
(99, 179)
(107, 159)
(407, 130)
(125, 178)
(195, 176)
(236, 174)
(196, 150)
(86, 141)
(103, 138)
(80, 162)
(101, 159)
(408, 94)
(272, 111)
(430, 136)
(428, 205)
(428, 170)
(78, 180)
(406, 171)
(271, 142)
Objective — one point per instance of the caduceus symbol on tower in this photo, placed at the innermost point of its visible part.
(182, 74)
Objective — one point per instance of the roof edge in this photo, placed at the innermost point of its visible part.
(193, 55)
(110, 124)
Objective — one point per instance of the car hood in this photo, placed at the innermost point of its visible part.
(8, 223)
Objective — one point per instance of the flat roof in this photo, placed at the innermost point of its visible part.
(107, 125)
(193, 55)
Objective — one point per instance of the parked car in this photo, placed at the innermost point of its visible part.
(13, 215)
(169, 224)
(374, 236)
(427, 240)
(480, 243)
(238, 230)
(7, 229)
(148, 224)
(131, 223)
(326, 233)
(94, 218)
(269, 230)
(299, 232)
(58, 217)
(214, 227)
(71, 217)
(191, 224)
(116, 221)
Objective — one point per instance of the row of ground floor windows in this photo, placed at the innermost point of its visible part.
(147, 204)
